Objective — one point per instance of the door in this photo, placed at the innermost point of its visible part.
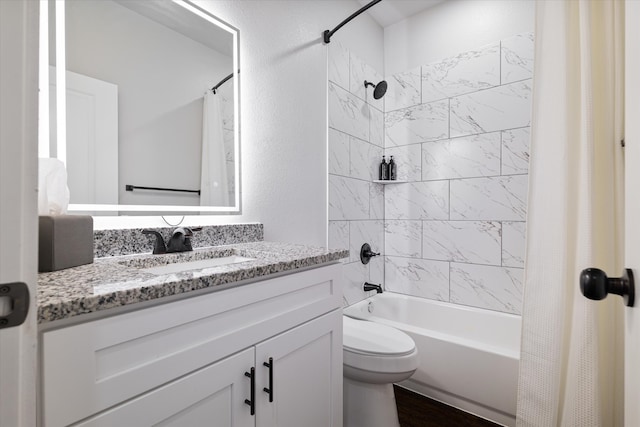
(212, 396)
(632, 206)
(306, 376)
(92, 138)
(18, 198)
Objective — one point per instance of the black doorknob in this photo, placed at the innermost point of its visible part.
(595, 285)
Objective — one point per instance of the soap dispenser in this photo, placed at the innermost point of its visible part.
(392, 169)
(384, 170)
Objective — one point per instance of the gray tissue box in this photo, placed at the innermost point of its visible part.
(64, 241)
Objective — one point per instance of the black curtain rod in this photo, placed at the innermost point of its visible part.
(327, 34)
(137, 187)
(223, 81)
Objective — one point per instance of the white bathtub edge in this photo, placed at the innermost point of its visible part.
(459, 403)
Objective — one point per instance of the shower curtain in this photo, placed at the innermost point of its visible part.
(572, 348)
(214, 190)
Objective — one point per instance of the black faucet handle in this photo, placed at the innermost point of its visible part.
(159, 247)
(187, 239)
(188, 235)
(366, 253)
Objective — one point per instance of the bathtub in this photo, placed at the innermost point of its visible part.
(468, 356)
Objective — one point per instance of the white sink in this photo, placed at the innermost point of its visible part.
(179, 267)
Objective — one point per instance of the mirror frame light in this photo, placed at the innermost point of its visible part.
(61, 120)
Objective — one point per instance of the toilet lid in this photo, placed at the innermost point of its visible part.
(362, 336)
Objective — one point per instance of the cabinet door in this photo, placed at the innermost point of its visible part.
(213, 396)
(307, 375)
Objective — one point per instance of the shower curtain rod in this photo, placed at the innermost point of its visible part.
(223, 81)
(327, 34)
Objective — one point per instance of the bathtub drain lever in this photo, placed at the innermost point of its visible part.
(372, 287)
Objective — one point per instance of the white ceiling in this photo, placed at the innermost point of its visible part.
(389, 12)
(184, 22)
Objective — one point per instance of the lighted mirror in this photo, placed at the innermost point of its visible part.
(143, 130)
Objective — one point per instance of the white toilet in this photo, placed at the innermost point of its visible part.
(374, 357)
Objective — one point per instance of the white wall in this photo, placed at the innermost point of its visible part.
(452, 27)
(283, 90)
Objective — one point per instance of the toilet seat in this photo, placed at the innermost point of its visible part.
(369, 338)
(376, 348)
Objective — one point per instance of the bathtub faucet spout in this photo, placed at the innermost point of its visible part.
(371, 287)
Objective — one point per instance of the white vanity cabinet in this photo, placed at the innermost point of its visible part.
(188, 362)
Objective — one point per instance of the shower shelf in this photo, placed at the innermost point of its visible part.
(388, 181)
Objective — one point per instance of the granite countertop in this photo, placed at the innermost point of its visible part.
(118, 281)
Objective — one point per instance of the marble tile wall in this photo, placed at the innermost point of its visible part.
(459, 131)
(356, 145)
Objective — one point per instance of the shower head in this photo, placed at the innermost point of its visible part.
(378, 90)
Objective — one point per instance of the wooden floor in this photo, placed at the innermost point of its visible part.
(415, 410)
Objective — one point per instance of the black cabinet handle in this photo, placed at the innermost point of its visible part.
(252, 402)
(269, 390)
